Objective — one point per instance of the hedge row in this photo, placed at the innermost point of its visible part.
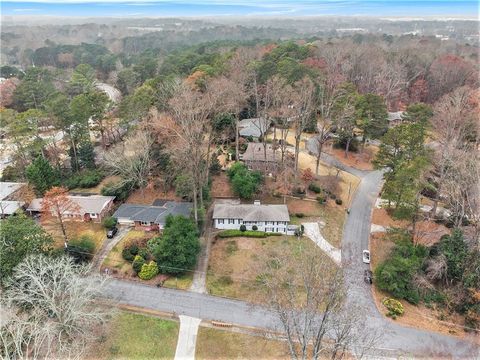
(249, 233)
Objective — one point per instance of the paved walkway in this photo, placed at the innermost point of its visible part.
(312, 230)
(187, 337)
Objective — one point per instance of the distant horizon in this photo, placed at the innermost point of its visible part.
(431, 9)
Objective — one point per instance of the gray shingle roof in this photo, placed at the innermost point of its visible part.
(251, 212)
(151, 213)
(255, 127)
(93, 204)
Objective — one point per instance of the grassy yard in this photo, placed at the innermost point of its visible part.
(135, 336)
(331, 214)
(236, 263)
(221, 344)
(76, 229)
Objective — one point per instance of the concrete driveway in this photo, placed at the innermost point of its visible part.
(108, 245)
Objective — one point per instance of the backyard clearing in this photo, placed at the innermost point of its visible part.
(361, 160)
(97, 189)
(222, 344)
(221, 186)
(236, 264)
(136, 336)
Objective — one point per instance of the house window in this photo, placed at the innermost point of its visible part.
(231, 221)
(93, 215)
(144, 223)
(220, 221)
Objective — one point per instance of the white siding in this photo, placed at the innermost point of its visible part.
(269, 226)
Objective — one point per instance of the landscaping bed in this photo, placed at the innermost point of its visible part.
(135, 336)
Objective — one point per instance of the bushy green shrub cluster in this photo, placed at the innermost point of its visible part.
(119, 190)
(315, 188)
(138, 263)
(394, 307)
(235, 233)
(81, 249)
(109, 222)
(148, 271)
(300, 215)
(129, 251)
(86, 179)
(338, 201)
(396, 274)
(245, 183)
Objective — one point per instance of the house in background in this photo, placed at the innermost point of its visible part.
(10, 198)
(254, 128)
(151, 217)
(255, 159)
(89, 208)
(268, 218)
(394, 118)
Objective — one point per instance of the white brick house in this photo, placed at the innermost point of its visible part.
(268, 218)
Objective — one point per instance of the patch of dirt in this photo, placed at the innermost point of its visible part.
(380, 248)
(428, 232)
(381, 217)
(422, 317)
(221, 186)
(151, 193)
(361, 160)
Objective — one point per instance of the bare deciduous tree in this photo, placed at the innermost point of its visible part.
(132, 159)
(49, 310)
(308, 295)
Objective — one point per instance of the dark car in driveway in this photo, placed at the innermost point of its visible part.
(111, 233)
(368, 276)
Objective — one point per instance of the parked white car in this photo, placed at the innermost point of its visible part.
(366, 256)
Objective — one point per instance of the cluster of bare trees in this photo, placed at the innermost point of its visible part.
(48, 309)
(456, 154)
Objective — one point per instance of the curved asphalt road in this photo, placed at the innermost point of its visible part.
(397, 340)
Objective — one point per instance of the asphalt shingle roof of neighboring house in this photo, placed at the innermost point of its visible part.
(255, 151)
(397, 115)
(8, 188)
(152, 213)
(251, 212)
(93, 204)
(9, 207)
(255, 127)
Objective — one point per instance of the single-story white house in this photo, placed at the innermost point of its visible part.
(266, 217)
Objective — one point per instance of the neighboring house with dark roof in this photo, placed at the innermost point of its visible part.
(394, 118)
(10, 202)
(90, 208)
(254, 128)
(269, 218)
(255, 159)
(151, 217)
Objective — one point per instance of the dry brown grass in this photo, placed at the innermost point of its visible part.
(221, 186)
(76, 229)
(361, 160)
(235, 263)
(149, 194)
(222, 344)
(97, 189)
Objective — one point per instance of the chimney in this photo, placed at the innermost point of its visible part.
(256, 202)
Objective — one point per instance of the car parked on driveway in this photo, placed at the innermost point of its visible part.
(366, 256)
(368, 276)
(111, 233)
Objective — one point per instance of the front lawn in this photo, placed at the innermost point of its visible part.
(236, 264)
(123, 268)
(135, 336)
(221, 344)
(77, 229)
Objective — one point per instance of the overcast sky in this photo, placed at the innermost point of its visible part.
(405, 8)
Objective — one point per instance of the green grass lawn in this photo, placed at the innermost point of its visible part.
(221, 344)
(135, 336)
